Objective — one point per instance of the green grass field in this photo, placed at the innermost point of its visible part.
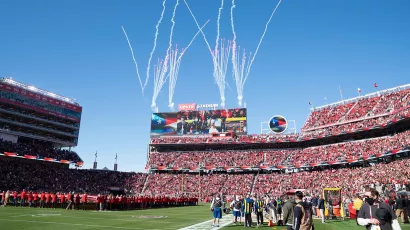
(167, 218)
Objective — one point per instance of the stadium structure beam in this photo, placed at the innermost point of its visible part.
(377, 93)
(40, 91)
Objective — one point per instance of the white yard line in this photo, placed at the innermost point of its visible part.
(84, 225)
(225, 221)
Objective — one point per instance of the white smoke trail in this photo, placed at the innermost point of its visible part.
(173, 68)
(260, 41)
(202, 32)
(220, 54)
(161, 73)
(222, 60)
(232, 24)
(155, 44)
(238, 69)
(174, 64)
(241, 68)
(236, 65)
(159, 80)
(219, 79)
(217, 24)
(192, 40)
(133, 57)
(172, 27)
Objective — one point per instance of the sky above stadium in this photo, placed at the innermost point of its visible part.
(77, 49)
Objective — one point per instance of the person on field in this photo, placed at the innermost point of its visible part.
(321, 207)
(401, 208)
(242, 199)
(376, 215)
(70, 199)
(84, 200)
(259, 206)
(302, 214)
(236, 205)
(315, 201)
(357, 204)
(288, 208)
(279, 207)
(216, 208)
(248, 204)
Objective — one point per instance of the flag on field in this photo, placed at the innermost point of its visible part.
(310, 103)
(95, 153)
(359, 90)
(116, 156)
(375, 85)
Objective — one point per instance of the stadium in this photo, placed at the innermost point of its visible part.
(199, 153)
(202, 164)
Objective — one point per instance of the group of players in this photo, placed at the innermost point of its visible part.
(44, 199)
(84, 201)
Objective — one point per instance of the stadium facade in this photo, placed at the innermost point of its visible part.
(29, 115)
(377, 115)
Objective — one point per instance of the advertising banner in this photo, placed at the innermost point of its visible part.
(199, 122)
(187, 107)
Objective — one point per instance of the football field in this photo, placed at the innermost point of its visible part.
(197, 217)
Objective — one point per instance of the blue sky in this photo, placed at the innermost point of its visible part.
(77, 48)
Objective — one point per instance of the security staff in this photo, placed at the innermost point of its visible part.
(248, 206)
(259, 206)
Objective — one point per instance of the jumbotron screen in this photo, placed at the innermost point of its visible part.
(199, 122)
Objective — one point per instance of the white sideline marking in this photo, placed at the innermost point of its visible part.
(225, 221)
(45, 215)
(60, 223)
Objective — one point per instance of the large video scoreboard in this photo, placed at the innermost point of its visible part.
(199, 122)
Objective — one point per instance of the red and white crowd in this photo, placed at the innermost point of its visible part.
(394, 175)
(283, 157)
(39, 151)
(364, 113)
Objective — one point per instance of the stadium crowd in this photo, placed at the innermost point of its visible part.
(392, 176)
(16, 175)
(283, 157)
(364, 113)
(38, 150)
(380, 104)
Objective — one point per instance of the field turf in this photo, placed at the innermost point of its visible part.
(167, 218)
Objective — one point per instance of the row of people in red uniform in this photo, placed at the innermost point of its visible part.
(123, 202)
(102, 202)
(44, 199)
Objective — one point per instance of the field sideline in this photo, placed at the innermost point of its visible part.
(167, 218)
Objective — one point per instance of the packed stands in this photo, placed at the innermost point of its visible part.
(209, 158)
(371, 111)
(339, 152)
(378, 104)
(16, 175)
(203, 186)
(39, 151)
(351, 180)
